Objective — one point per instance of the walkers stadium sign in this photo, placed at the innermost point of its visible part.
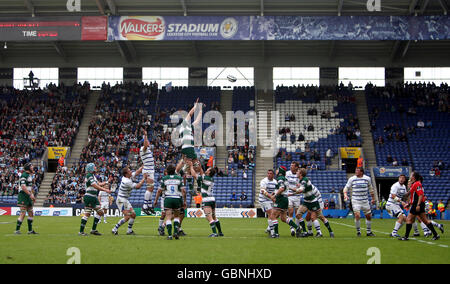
(171, 28)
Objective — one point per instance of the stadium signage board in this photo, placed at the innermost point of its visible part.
(350, 152)
(224, 213)
(390, 171)
(46, 211)
(57, 152)
(278, 28)
(53, 28)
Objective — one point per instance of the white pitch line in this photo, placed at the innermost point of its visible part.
(422, 241)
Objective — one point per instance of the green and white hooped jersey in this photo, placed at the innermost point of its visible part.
(187, 137)
(283, 183)
(207, 188)
(309, 194)
(90, 190)
(27, 180)
(171, 186)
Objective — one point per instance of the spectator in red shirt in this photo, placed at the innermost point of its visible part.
(417, 206)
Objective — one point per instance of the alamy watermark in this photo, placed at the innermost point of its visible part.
(254, 129)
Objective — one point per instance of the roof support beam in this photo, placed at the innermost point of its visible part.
(131, 50)
(101, 6)
(183, 5)
(262, 8)
(123, 51)
(340, 4)
(332, 51)
(59, 49)
(30, 7)
(405, 49)
(112, 6)
(195, 50)
(412, 6)
(395, 49)
(444, 6)
(424, 7)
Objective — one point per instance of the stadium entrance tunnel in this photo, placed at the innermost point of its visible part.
(384, 186)
(349, 165)
(52, 165)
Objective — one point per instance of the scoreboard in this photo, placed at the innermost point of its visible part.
(53, 28)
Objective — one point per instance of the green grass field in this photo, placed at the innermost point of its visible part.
(244, 243)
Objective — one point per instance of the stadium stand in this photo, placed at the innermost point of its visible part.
(32, 120)
(313, 120)
(426, 145)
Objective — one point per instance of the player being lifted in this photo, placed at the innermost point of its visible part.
(206, 182)
(294, 199)
(361, 187)
(268, 187)
(175, 198)
(90, 199)
(125, 188)
(149, 169)
(311, 203)
(280, 204)
(187, 136)
(26, 199)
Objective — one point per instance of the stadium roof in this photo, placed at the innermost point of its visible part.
(224, 53)
(222, 7)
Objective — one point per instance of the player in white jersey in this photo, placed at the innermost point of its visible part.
(125, 188)
(105, 201)
(361, 187)
(294, 199)
(149, 169)
(398, 192)
(268, 186)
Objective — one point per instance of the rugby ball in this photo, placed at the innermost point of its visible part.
(231, 78)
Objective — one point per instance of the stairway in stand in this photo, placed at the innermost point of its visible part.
(80, 142)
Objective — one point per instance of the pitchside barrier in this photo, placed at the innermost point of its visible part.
(191, 212)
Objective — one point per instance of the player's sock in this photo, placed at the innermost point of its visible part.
(176, 224)
(147, 197)
(369, 226)
(309, 225)
(213, 226)
(120, 223)
(303, 225)
(408, 230)
(94, 226)
(327, 224)
(275, 226)
(19, 223)
(218, 226)
(292, 223)
(416, 230)
(430, 226)
(358, 226)
(435, 224)
(30, 224)
(169, 227)
(297, 221)
(317, 226)
(397, 227)
(104, 218)
(269, 224)
(272, 228)
(83, 223)
(424, 228)
(130, 225)
(161, 223)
